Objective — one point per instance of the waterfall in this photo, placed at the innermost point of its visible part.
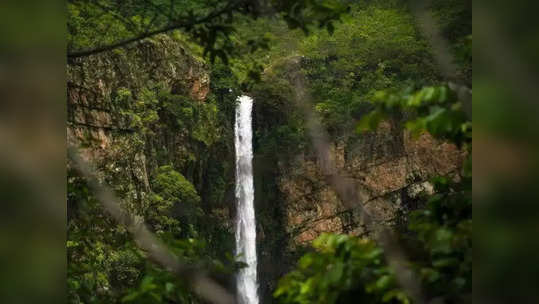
(245, 218)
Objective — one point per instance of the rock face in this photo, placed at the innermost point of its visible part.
(99, 123)
(145, 119)
(93, 82)
(389, 167)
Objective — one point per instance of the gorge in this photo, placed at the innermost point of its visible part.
(234, 184)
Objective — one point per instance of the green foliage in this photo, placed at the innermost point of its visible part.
(173, 187)
(104, 264)
(171, 191)
(342, 269)
(455, 21)
(159, 287)
(102, 261)
(436, 110)
(302, 14)
(280, 133)
(90, 24)
(438, 238)
(156, 108)
(377, 47)
(212, 24)
(365, 63)
(444, 230)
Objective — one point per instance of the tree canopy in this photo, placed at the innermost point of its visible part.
(98, 26)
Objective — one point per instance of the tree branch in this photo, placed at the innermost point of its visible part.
(170, 27)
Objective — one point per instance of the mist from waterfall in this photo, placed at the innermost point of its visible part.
(245, 214)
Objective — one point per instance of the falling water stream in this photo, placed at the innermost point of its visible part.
(245, 218)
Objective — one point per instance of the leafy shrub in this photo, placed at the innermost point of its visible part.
(171, 192)
(345, 269)
(436, 110)
(172, 186)
(443, 231)
(342, 269)
(102, 261)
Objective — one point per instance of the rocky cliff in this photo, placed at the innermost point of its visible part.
(93, 84)
(148, 106)
(390, 169)
(118, 113)
(145, 118)
(295, 204)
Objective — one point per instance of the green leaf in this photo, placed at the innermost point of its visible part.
(395, 294)
(429, 94)
(445, 262)
(169, 287)
(370, 121)
(384, 281)
(130, 297)
(336, 272)
(306, 261)
(147, 284)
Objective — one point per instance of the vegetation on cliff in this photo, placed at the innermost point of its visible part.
(167, 151)
(438, 237)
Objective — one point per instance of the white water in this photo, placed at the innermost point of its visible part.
(245, 218)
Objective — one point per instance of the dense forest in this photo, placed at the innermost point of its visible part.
(362, 146)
